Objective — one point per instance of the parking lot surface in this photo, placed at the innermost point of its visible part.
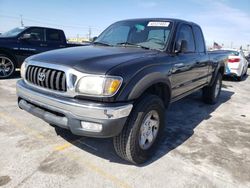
(205, 146)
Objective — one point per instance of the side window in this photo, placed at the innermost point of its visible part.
(36, 34)
(53, 35)
(199, 40)
(185, 33)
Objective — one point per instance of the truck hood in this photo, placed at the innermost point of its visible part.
(92, 59)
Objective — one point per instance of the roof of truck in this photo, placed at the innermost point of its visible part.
(42, 27)
(160, 19)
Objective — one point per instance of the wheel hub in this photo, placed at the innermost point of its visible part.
(6, 67)
(149, 129)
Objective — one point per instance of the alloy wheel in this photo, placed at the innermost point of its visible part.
(149, 129)
(6, 67)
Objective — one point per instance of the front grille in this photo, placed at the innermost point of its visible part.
(47, 78)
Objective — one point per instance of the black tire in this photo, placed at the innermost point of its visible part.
(243, 74)
(12, 66)
(210, 95)
(241, 77)
(126, 144)
(246, 71)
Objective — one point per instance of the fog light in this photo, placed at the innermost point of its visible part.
(91, 127)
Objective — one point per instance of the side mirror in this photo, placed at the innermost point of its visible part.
(94, 38)
(182, 47)
(25, 37)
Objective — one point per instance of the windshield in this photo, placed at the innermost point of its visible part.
(234, 53)
(14, 32)
(147, 34)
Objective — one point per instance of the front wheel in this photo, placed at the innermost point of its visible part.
(211, 93)
(137, 141)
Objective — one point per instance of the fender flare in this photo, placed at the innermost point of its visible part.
(146, 82)
(219, 66)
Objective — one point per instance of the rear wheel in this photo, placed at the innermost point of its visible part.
(7, 66)
(212, 93)
(246, 71)
(137, 141)
(243, 73)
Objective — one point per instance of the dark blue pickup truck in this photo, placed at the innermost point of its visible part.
(22, 42)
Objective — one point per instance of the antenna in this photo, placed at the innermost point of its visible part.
(90, 32)
(21, 16)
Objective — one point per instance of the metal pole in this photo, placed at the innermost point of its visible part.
(90, 32)
(21, 16)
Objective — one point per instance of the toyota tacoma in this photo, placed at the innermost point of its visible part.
(120, 85)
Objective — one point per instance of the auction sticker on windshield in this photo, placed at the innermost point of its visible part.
(158, 24)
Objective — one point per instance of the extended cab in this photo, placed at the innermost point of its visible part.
(121, 84)
(20, 43)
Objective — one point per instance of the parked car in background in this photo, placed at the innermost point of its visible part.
(22, 42)
(120, 85)
(246, 53)
(247, 56)
(248, 59)
(237, 64)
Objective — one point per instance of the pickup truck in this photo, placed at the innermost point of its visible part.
(19, 43)
(120, 85)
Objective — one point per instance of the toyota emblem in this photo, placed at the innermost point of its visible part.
(41, 76)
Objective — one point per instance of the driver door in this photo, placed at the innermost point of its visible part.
(184, 77)
(32, 45)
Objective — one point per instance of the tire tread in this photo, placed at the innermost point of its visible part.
(125, 142)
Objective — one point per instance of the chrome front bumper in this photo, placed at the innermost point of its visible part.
(78, 110)
(73, 110)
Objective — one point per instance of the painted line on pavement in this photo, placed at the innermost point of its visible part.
(94, 168)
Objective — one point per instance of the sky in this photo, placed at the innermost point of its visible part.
(226, 22)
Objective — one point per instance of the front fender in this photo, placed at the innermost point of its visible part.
(142, 81)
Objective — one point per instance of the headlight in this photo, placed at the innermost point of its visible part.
(23, 69)
(99, 85)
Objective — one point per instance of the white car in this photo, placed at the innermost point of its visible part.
(237, 64)
(247, 56)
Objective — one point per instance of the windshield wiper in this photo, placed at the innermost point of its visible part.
(101, 43)
(132, 44)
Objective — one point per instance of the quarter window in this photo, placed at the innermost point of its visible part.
(53, 35)
(199, 40)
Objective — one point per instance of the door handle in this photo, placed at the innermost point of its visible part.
(62, 46)
(43, 45)
(179, 65)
